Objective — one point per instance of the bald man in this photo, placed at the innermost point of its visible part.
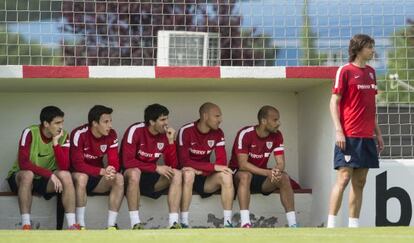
(251, 152)
(197, 141)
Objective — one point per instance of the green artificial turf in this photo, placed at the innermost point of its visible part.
(285, 235)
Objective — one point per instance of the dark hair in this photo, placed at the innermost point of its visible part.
(154, 111)
(96, 112)
(48, 113)
(357, 43)
(264, 111)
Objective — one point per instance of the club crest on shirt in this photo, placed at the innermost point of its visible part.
(210, 143)
(160, 146)
(103, 148)
(269, 145)
(347, 158)
(371, 75)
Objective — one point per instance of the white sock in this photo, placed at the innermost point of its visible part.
(245, 217)
(184, 218)
(70, 219)
(134, 217)
(80, 216)
(172, 218)
(353, 222)
(227, 216)
(112, 215)
(26, 218)
(331, 221)
(291, 218)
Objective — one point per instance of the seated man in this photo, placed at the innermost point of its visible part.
(42, 166)
(142, 146)
(89, 144)
(251, 151)
(197, 141)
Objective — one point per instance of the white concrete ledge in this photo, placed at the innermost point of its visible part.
(266, 211)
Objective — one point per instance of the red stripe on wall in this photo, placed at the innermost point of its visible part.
(311, 72)
(187, 72)
(55, 72)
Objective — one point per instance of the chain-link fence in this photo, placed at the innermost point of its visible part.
(222, 32)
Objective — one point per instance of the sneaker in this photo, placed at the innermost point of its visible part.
(74, 227)
(175, 226)
(82, 227)
(138, 226)
(185, 226)
(115, 227)
(294, 226)
(248, 226)
(228, 224)
(26, 227)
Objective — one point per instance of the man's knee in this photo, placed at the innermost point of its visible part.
(244, 177)
(132, 176)
(64, 176)
(177, 178)
(343, 179)
(188, 177)
(359, 182)
(80, 180)
(119, 180)
(285, 180)
(226, 179)
(25, 177)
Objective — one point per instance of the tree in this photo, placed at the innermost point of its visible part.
(16, 50)
(397, 86)
(30, 10)
(124, 33)
(310, 54)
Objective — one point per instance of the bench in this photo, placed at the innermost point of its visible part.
(264, 213)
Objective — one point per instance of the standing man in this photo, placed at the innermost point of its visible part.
(252, 148)
(197, 141)
(142, 146)
(89, 144)
(42, 166)
(352, 108)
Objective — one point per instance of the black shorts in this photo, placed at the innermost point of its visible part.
(93, 181)
(255, 184)
(39, 186)
(198, 186)
(147, 183)
(359, 153)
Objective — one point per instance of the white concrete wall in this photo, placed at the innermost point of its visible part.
(20, 110)
(239, 109)
(43, 213)
(264, 212)
(316, 141)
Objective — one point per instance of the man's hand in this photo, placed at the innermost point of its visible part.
(380, 145)
(166, 171)
(197, 172)
(57, 185)
(110, 172)
(170, 132)
(55, 139)
(340, 140)
(269, 174)
(276, 175)
(223, 168)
